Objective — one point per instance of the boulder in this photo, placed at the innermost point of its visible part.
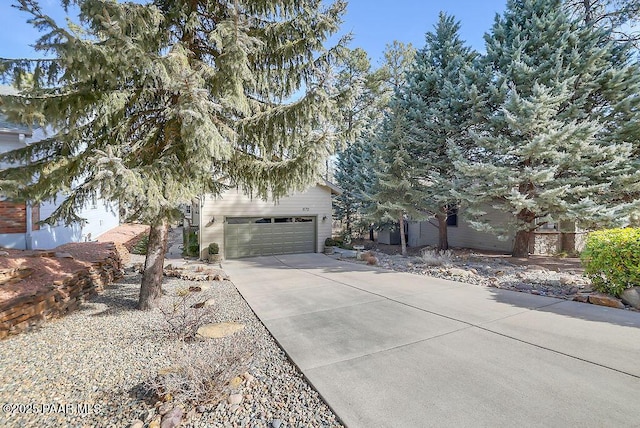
(567, 280)
(219, 330)
(584, 298)
(172, 419)
(631, 297)
(604, 300)
(460, 272)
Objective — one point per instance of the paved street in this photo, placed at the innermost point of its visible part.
(390, 349)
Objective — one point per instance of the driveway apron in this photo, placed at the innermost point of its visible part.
(390, 349)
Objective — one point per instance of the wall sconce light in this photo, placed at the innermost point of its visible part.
(213, 219)
(324, 218)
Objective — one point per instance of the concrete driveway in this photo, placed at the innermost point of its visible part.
(389, 349)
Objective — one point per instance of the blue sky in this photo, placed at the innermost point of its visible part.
(374, 23)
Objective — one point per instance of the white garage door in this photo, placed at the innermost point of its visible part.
(262, 236)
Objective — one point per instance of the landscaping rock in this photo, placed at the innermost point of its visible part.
(631, 297)
(235, 399)
(604, 300)
(172, 419)
(583, 298)
(219, 330)
(460, 272)
(62, 255)
(136, 424)
(235, 382)
(567, 280)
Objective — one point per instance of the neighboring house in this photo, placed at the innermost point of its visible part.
(549, 239)
(244, 227)
(19, 220)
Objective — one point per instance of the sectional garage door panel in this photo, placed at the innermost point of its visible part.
(262, 236)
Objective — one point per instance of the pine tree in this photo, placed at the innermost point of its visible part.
(396, 189)
(553, 146)
(155, 104)
(439, 103)
(620, 17)
(362, 105)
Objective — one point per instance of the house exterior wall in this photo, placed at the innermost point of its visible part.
(463, 235)
(569, 238)
(314, 202)
(13, 225)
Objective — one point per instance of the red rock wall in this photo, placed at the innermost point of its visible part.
(59, 298)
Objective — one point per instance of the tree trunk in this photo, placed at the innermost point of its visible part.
(403, 241)
(588, 13)
(521, 244)
(443, 239)
(151, 286)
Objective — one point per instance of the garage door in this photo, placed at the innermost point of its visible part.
(262, 236)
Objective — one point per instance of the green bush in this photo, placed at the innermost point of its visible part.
(330, 242)
(612, 259)
(190, 244)
(214, 248)
(141, 246)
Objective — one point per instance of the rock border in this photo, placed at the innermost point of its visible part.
(54, 300)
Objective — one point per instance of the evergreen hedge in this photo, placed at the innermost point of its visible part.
(612, 259)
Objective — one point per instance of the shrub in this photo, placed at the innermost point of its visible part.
(330, 242)
(436, 258)
(214, 248)
(611, 259)
(200, 372)
(190, 244)
(183, 314)
(141, 246)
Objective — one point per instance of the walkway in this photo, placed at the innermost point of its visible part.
(389, 349)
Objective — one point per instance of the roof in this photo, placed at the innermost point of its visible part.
(334, 189)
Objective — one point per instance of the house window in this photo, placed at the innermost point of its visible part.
(452, 215)
(283, 220)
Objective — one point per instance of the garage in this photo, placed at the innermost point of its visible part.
(263, 236)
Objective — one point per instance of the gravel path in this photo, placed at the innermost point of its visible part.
(91, 367)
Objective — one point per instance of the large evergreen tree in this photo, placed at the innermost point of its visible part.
(620, 17)
(439, 100)
(362, 109)
(396, 189)
(557, 144)
(155, 104)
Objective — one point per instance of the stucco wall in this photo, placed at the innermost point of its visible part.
(315, 201)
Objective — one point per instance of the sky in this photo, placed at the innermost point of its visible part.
(373, 23)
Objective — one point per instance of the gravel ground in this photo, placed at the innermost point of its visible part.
(490, 272)
(91, 368)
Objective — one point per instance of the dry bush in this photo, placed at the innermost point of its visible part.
(183, 313)
(436, 258)
(200, 372)
(372, 261)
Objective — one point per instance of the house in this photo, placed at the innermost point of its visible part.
(19, 226)
(549, 239)
(244, 227)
